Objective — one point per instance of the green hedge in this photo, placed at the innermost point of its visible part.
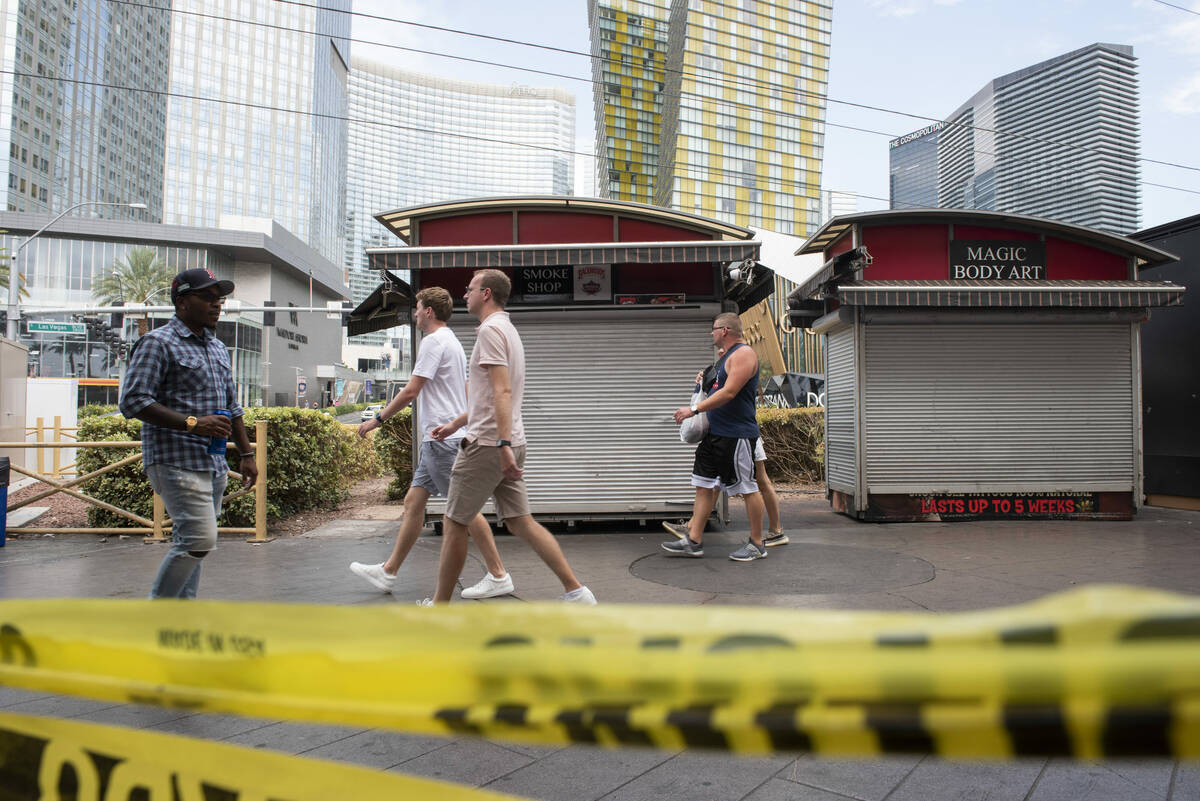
(347, 408)
(794, 440)
(311, 462)
(95, 410)
(393, 444)
(795, 443)
(125, 487)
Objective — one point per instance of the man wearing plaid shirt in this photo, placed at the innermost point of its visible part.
(178, 375)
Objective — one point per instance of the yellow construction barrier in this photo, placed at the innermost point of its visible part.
(40, 757)
(1093, 673)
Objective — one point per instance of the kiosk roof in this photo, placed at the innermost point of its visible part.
(400, 221)
(833, 230)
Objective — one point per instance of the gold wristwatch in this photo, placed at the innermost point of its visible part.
(191, 422)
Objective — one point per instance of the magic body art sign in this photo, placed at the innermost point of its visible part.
(997, 261)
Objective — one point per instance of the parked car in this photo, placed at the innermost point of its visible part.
(372, 410)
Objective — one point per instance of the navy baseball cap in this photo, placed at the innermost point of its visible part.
(196, 279)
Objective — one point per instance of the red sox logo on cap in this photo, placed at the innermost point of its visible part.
(197, 278)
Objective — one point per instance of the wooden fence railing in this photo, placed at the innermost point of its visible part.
(58, 432)
(155, 528)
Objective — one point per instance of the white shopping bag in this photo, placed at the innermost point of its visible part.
(695, 427)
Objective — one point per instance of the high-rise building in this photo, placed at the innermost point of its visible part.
(835, 203)
(914, 178)
(82, 114)
(256, 125)
(715, 109)
(629, 60)
(1058, 139)
(417, 139)
(727, 120)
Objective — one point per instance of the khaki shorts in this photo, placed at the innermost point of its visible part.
(477, 476)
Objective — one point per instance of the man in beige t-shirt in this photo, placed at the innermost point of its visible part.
(497, 344)
(491, 460)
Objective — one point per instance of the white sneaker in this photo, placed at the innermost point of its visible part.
(375, 574)
(425, 602)
(580, 596)
(489, 587)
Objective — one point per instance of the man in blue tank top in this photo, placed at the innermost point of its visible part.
(725, 457)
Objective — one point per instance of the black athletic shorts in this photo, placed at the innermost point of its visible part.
(725, 463)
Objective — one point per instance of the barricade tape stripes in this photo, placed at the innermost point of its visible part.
(1093, 673)
(43, 758)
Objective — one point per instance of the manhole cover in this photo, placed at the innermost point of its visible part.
(799, 568)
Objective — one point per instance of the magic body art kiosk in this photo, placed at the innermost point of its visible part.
(980, 365)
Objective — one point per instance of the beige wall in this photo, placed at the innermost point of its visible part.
(12, 399)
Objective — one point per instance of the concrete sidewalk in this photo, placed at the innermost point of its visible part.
(832, 562)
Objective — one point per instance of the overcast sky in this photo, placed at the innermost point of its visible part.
(916, 57)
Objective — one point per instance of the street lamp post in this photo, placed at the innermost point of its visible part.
(146, 300)
(14, 274)
(299, 373)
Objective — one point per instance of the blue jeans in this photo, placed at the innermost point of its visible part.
(193, 500)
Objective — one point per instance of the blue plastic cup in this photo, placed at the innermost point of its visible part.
(4, 473)
(216, 445)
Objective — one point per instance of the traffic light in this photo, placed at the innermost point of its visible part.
(268, 316)
(117, 319)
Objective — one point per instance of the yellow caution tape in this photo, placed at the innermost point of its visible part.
(1105, 671)
(40, 757)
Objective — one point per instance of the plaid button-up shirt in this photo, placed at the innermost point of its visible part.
(186, 373)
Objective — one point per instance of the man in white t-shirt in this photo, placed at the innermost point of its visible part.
(438, 384)
(491, 458)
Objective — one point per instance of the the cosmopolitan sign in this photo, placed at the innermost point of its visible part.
(997, 261)
(926, 131)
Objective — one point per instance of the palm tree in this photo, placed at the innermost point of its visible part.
(5, 266)
(134, 280)
(4, 262)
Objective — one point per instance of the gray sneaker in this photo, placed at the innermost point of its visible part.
(748, 552)
(683, 547)
(773, 538)
(679, 529)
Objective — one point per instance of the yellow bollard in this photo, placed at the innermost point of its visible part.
(40, 436)
(56, 461)
(159, 514)
(260, 487)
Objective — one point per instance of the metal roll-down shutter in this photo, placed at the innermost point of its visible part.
(999, 407)
(841, 390)
(600, 389)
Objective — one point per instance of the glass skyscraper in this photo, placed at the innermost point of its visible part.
(914, 174)
(82, 109)
(737, 133)
(1058, 139)
(257, 118)
(725, 119)
(417, 139)
(629, 60)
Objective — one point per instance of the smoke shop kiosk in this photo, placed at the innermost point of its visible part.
(980, 365)
(614, 302)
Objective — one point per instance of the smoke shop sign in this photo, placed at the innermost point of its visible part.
(542, 284)
(997, 261)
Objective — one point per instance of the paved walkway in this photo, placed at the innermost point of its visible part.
(832, 563)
